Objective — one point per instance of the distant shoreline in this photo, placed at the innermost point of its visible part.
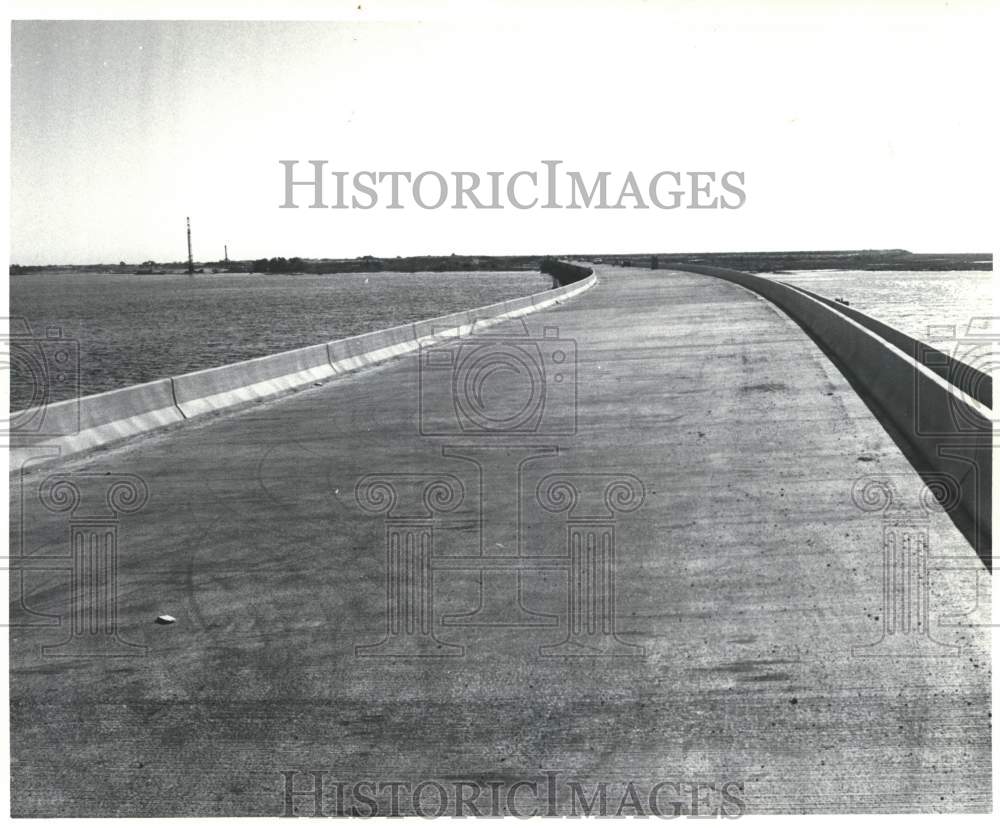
(760, 262)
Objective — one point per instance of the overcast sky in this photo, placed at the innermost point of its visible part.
(852, 133)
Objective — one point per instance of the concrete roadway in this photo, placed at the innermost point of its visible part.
(744, 579)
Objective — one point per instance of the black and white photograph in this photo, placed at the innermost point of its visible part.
(499, 409)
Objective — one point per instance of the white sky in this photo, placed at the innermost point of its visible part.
(854, 130)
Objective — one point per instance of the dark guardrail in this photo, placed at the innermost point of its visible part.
(563, 272)
(968, 378)
(948, 441)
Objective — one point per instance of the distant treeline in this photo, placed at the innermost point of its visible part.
(403, 264)
(774, 262)
(779, 262)
(296, 264)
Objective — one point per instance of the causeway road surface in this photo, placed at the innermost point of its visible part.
(617, 540)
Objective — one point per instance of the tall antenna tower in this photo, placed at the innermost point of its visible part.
(226, 248)
(190, 258)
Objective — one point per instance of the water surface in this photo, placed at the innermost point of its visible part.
(133, 329)
(918, 303)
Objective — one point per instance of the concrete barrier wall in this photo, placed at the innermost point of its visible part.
(217, 388)
(370, 348)
(77, 426)
(454, 324)
(947, 441)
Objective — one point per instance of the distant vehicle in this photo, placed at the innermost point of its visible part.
(148, 269)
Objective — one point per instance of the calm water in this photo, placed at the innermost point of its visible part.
(133, 329)
(910, 301)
